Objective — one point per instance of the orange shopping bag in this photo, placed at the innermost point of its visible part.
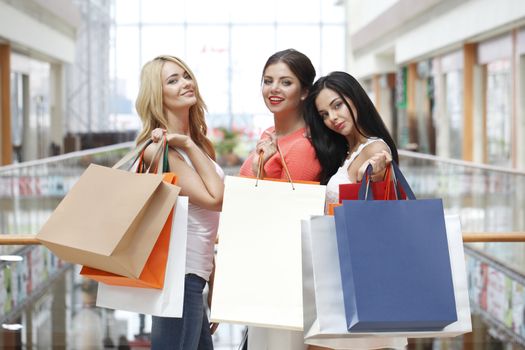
(152, 276)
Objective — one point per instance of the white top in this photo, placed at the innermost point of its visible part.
(202, 231)
(341, 176)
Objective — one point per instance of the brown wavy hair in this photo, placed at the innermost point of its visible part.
(150, 104)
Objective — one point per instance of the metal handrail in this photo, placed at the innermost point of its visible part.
(464, 163)
(468, 237)
(67, 156)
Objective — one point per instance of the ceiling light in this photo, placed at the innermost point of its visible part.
(11, 258)
(12, 326)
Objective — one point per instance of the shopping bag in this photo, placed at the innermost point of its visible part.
(152, 276)
(168, 301)
(258, 267)
(388, 189)
(324, 314)
(110, 220)
(395, 264)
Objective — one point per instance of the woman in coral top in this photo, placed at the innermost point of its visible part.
(287, 78)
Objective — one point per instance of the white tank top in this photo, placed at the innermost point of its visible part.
(202, 231)
(341, 176)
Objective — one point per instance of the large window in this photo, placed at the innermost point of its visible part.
(226, 44)
(454, 112)
(30, 108)
(494, 56)
(499, 94)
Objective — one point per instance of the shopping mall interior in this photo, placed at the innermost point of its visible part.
(447, 77)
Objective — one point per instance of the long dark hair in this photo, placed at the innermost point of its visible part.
(331, 148)
(299, 64)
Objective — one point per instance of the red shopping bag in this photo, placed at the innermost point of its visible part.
(385, 190)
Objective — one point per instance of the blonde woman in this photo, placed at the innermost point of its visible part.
(169, 103)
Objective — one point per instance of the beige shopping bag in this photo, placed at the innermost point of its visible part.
(110, 220)
(258, 278)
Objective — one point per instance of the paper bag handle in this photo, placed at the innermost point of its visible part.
(260, 166)
(160, 157)
(366, 194)
(137, 154)
(133, 154)
(386, 180)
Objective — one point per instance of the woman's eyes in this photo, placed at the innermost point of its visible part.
(284, 82)
(186, 76)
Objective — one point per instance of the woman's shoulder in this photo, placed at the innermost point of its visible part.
(375, 145)
(266, 133)
(298, 139)
(302, 150)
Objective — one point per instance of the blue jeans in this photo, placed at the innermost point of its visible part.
(192, 331)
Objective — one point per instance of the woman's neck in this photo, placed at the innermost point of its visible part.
(286, 124)
(178, 121)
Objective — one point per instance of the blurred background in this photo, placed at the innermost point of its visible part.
(447, 76)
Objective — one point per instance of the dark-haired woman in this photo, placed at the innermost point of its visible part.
(347, 132)
(286, 80)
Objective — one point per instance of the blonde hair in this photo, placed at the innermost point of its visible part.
(150, 104)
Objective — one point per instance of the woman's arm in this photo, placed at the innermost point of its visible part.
(202, 185)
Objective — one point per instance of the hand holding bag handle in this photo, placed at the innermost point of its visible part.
(137, 154)
(366, 194)
(159, 157)
(260, 166)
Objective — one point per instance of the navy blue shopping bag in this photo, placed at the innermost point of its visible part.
(395, 264)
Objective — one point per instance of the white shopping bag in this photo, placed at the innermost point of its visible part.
(324, 312)
(258, 267)
(165, 302)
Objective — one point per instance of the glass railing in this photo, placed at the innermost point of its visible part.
(40, 295)
(44, 301)
(488, 199)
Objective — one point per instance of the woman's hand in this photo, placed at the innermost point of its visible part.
(157, 134)
(379, 162)
(175, 140)
(267, 147)
(213, 327)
